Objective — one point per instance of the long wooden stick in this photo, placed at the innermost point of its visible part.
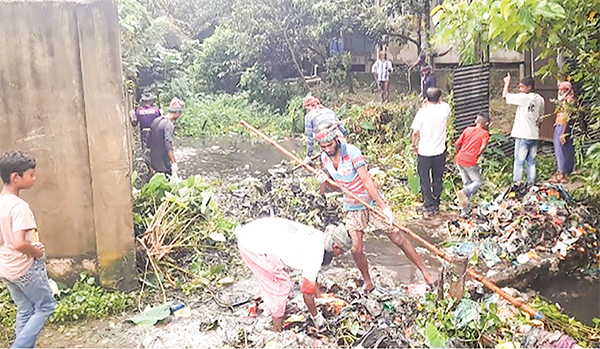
(442, 254)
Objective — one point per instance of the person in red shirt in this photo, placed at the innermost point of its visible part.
(469, 145)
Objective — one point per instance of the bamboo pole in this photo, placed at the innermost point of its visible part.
(442, 254)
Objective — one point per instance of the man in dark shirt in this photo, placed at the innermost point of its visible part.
(162, 158)
(427, 80)
(144, 115)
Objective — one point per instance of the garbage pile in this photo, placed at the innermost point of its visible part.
(383, 318)
(282, 193)
(523, 221)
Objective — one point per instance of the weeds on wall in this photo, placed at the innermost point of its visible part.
(88, 300)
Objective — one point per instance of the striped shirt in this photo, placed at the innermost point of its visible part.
(382, 69)
(313, 119)
(347, 177)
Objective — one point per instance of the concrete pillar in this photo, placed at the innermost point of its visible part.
(61, 99)
(107, 132)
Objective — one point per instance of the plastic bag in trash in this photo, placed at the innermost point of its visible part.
(490, 252)
(466, 312)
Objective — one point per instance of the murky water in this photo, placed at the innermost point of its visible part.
(382, 253)
(579, 297)
(229, 158)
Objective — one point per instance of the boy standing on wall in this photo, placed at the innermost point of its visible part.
(22, 262)
(469, 146)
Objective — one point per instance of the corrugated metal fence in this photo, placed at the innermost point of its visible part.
(471, 96)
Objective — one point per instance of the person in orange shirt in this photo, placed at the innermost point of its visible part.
(469, 146)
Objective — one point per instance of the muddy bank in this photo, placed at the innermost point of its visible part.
(212, 322)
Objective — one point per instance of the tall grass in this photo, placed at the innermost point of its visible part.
(213, 115)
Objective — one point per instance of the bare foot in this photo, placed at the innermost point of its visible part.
(368, 287)
(430, 280)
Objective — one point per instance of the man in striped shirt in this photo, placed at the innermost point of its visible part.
(381, 71)
(346, 165)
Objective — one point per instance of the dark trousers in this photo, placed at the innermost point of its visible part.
(431, 169)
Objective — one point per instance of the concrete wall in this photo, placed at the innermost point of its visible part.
(61, 99)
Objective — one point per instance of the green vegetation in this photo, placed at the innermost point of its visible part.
(557, 320)
(8, 312)
(463, 320)
(590, 175)
(220, 114)
(185, 242)
(467, 321)
(85, 300)
(571, 27)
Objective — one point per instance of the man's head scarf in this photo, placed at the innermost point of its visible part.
(176, 105)
(337, 236)
(310, 101)
(327, 133)
(569, 94)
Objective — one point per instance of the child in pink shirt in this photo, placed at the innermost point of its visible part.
(22, 265)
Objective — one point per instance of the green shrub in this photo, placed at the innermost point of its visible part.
(87, 300)
(221, 114)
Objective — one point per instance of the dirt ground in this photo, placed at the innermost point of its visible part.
(197, 330)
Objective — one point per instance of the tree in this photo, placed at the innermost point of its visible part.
(567, 27)
(405, 21)
(294, 31)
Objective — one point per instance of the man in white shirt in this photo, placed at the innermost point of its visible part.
(268, 245)
(526, 128)
(429, 143)
(381, 72)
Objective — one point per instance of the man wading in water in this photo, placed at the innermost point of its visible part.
(348, 167)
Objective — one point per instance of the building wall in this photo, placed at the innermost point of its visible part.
(408, 54)
(61, 100)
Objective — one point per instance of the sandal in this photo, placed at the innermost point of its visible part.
(555, 179)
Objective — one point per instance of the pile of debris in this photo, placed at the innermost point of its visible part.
(526, 220)
(384, 318)
(281, 193)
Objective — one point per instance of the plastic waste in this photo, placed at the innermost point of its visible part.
(466, 312)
